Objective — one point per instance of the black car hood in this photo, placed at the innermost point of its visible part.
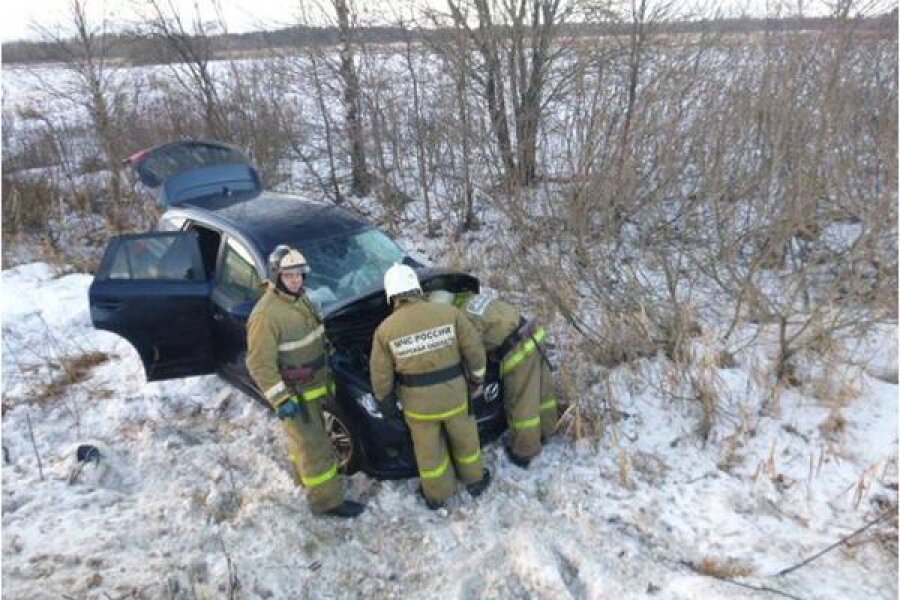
(372, 305)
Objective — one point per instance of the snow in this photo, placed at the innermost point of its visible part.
(192, 496)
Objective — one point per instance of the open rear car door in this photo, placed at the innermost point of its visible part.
(152, 290)
(194, 170)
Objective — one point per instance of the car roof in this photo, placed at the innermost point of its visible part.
(271, 218)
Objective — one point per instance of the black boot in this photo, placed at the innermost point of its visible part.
(519, 461)
(476, 489)
(432, 505)
(346, 509)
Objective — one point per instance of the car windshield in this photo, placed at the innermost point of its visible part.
(347, 265)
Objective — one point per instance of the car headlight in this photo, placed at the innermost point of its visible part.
(370, 405)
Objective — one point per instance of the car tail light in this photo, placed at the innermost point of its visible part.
(136, 158)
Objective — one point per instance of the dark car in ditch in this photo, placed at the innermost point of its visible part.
(181, 294)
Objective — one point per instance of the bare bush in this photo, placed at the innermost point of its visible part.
(188, 39)
(754, 137)
(95, 86)
(515, 46)
(26, 204)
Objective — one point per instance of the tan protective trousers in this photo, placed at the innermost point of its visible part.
(530, 402)
(315, 464)
(446, 449)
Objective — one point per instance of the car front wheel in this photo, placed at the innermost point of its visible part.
(343, 440)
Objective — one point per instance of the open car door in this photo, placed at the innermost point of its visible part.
(152, 290)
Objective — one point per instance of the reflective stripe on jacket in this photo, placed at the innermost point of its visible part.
(497, 321)
(284, 331)
(522, 350)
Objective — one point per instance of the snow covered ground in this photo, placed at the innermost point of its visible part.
(192, 496)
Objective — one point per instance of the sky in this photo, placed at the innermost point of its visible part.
(18, 15)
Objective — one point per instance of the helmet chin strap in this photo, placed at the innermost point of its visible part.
(279, 285)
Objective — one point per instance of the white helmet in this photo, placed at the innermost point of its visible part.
(400, 280)
(442, 297)
(284, 257)
(293, 260)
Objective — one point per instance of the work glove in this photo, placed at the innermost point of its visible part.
(287, 409)
(291, 408)
(297, 375)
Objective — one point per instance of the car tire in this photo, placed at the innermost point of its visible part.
(344, 440)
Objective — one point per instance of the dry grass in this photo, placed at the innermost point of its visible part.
(789, 376)
(724, 568)
(581, 415)
(678, 326)
(868, 478)
(726, 360)
(707, 395)
(650, 465)
(834, 426)
(623, 337)
(731, 457)
(834, 390)
(579, 419)
(625, 469)
(694, 378)
(886, 535)
(26, 204)
(74, 370)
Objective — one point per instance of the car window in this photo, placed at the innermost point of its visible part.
(171, 223)
(209, 245)
(347, 265)
(163, 257)
(239, 279)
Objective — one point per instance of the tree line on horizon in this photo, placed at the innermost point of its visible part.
(140, 48)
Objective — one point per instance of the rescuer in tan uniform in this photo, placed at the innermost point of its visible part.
(529, 399)
(286, 358)
(430, 350)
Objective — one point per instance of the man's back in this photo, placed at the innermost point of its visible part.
(493, 318)
(428, 351)
(434, 343)
(422, 337)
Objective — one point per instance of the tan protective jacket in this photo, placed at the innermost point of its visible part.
(494, 319)
(421, 338)
(284, 331)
